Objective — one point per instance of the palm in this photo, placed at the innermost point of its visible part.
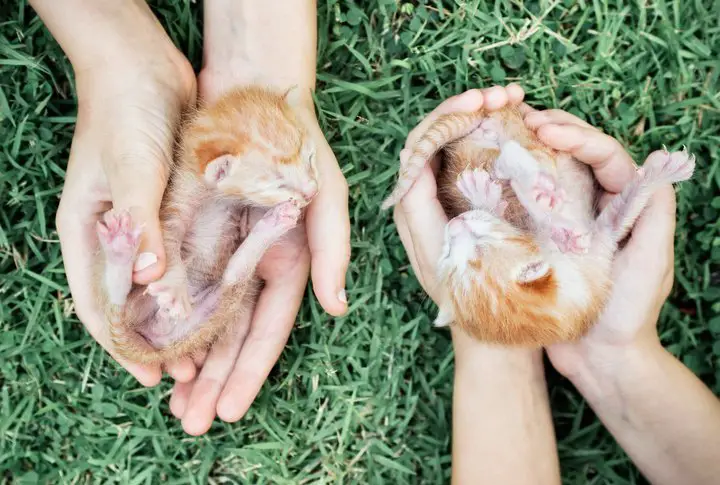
(631, 311)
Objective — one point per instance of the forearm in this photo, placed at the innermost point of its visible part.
(659, 412)
(272, 42)
(99, 32)
(502, 426)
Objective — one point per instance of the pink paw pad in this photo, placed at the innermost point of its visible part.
(118, 236)
(668, 167)
(571, 240)
(482, 191)
(546, 193)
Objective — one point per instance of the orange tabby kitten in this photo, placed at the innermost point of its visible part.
(248, 150)
(527, 256)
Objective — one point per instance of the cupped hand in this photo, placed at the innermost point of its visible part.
(128, 112)
(419, 217)
(232, 373)
(642, 272)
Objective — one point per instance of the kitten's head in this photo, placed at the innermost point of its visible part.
(495, 282)
(257, 148)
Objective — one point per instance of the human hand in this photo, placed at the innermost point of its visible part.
(419, 217)
(128, 111)
(642, 271)
(233, 372)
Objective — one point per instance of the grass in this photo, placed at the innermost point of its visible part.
(364, 398)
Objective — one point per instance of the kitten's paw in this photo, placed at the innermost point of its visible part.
(119, 236)
(482, 192)
(668, 167)
(571, 240)
(546, 193)
(282, 217)
(172, 298)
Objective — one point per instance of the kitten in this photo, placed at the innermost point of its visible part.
(249, 150)
(527, 257)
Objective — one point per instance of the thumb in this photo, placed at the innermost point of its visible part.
(652, 240)
(138, 185)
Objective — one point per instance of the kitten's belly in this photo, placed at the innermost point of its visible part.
(214, 237)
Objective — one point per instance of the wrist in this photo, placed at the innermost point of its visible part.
(270, 43)
(597, 372)
(474, 357)
(105, 34)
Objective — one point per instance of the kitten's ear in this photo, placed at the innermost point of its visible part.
(444, 318)
(533, 272)
(218, 169)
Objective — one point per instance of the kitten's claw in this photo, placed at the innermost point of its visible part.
(570, 240)
(546, 193)
(482, 192)
(118, 236)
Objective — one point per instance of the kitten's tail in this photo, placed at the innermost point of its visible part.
(442, 131)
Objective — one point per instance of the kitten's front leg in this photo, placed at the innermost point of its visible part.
(266, 232)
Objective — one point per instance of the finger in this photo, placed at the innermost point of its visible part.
(137, 184)
(611, 164)
(199, 412)
(76, 231)
(404, 231)
(525, 109)
(273, 320)
(179, 398)
(408, 244)
(182, 370)
(515, 94)
(536, 119)
(328, 234)
(199, 358)
(653, 235)
(424, 220)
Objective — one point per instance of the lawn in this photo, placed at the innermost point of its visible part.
(365, 398)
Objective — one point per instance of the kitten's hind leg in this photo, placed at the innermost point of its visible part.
(268, 230)
(119, 239)
(538, 192)
(661, 167)
(481, 191)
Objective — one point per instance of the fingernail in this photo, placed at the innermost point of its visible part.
(145, 260)
(342, 296)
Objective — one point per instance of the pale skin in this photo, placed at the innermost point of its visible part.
(659, 412)
(132, 85)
